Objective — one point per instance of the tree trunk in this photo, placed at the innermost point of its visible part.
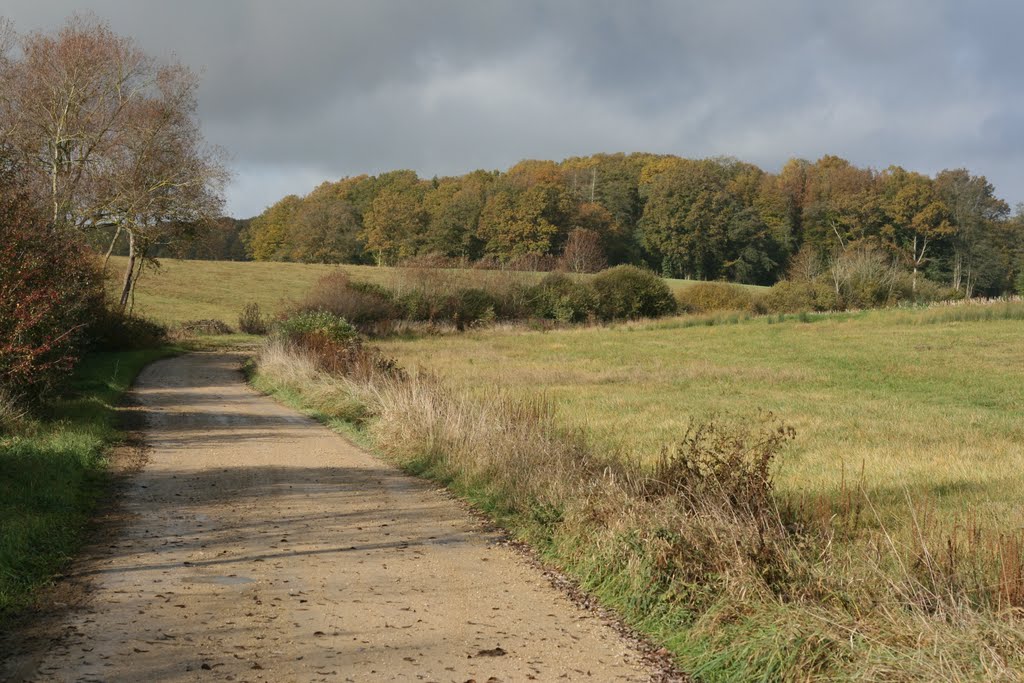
(913, 279)
(110, 250)
(129, 272)
(958, 270)
(138, 276)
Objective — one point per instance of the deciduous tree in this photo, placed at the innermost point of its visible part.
(973, 207)
(108, 136)
(394, 226)
(583, 253)
(917, 216)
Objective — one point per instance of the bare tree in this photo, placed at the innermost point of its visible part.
(583, 253)
(108, 137)
(863, 275)
(163, 184)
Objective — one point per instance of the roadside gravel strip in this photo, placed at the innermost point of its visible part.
(261, 546)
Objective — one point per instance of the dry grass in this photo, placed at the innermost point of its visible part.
(878, 400)
(11, 413)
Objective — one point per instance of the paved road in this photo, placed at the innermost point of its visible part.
(260, 546)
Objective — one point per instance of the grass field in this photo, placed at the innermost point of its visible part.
(883, 398)
(190, 290)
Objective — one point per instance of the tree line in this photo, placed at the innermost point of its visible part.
(706, 219)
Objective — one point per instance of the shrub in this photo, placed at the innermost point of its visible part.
(190, 328)
(357, 302)
(432, 260)
(11, 414)
(322, 323)
(924, 291)
(416, 304)
(346, 357)
(473, 305)
(252, 321)
(730, 463)
(865, 276)
(115, 330)
(515, 301)
(460, 306)
(562, 298)
(806, 265)
(50, 288)
(626, 292)
(788, 296)
(538, 263)
(708, 297)
(1019, 285)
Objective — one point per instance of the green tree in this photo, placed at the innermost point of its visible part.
(532, 221)
(268, 237)
(917, 216)
(394, 227)
(453, 213)
(974, 209)
(326, 229)
(613, 182)
(841, 205)
(687, 216)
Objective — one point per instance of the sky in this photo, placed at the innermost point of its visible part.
(304, 91)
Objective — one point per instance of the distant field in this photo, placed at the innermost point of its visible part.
(911, 405)
(188, 290)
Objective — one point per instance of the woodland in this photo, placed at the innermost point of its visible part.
(702, 219)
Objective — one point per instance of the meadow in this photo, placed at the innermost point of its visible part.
(894, 402)
(180, 290)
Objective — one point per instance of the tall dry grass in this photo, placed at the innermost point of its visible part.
(699, 550)
(11, 413)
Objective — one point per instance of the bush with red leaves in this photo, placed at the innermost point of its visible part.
(50, 288)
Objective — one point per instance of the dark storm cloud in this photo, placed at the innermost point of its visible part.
(300, 92)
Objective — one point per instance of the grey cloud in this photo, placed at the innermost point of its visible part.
(305, 91)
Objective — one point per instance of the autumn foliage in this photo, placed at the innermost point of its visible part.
(703, 219)
(49, 289)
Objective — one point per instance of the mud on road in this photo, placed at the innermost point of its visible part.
(260, 546)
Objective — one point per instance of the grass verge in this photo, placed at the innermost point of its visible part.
(53, 472)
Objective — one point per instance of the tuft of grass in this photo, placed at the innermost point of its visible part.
(52, 468)
(12, 414)
(961, 312)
